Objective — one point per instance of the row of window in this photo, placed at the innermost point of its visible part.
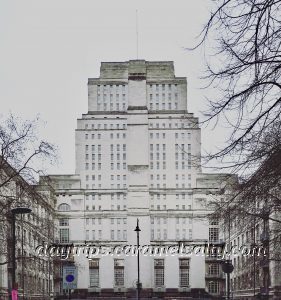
(162, 97)
(120, 196)
(27, 237)
(93, 148)
(172, 125)
(163, 87)
(159, 273)
(105, 126)
(158, 165)
(111, 87)
(118, 177)
(112, 135)
(159, 221)
(157, 147)
(98, 166)
(66, 207)
(112, 196)
(183, 135)
(117, 126)
(156, 156)
(164, 207)
(112, 207)
(120, 221)
(157, 135)
(152, 185)
(183, 165)
(114, 235)
(249, 235)
(111, 97)
(164, 185)
(155, 234)
(112, 107)
(158, 234)
(183, 148)
(163, 196)
(34, 284)
(177, 177)
(169, 106)
(183, 156)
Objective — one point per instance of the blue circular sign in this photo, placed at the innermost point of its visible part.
(69, 278)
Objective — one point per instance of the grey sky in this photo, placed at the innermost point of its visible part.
(50, 48)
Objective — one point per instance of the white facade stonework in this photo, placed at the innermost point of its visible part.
(138, 155)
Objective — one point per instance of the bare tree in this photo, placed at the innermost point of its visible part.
(22, 150)
(22, 159)
(245, 73)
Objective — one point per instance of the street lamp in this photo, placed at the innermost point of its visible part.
(227, 268)
(20, 209)
(227, 265)
(137, 230)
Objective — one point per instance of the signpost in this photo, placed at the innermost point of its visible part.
(69, 278)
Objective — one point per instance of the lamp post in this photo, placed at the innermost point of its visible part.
(227, 268)
(227, 265)
(19, 210)
(137, 230)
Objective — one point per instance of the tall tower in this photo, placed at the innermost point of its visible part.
(138, 157)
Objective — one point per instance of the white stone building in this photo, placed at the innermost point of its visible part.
(138, 156)
(33, 274)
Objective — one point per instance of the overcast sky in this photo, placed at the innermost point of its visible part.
(50, 48)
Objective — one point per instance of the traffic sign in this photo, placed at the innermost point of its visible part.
(69, 277)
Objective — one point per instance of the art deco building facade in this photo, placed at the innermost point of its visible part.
(138, 155)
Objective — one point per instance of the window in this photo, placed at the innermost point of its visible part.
(64, 207)
(64, 235)
(159, 272)
(214, 221)
(63, 222)
(119, 272)
(94, 272)
(184, 272)
(213, 287)
(213, 234)
(213, 269)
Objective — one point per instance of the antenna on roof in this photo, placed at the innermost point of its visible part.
(137, 33)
